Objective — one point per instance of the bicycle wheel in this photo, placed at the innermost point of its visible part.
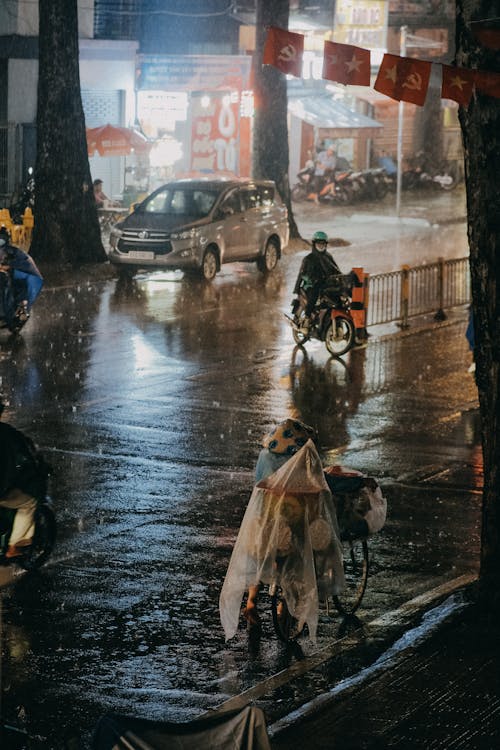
(356, 567)
(285, 625)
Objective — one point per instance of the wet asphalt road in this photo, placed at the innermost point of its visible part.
(149, 398)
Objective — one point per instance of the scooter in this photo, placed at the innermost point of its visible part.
(331, 320)
(45, 528)
(302, 187)
(20, 285)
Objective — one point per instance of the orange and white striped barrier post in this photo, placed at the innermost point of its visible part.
(359, 303)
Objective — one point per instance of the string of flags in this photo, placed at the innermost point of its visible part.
(402, 78)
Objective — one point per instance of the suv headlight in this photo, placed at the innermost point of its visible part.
(114, 236)
(189, 234)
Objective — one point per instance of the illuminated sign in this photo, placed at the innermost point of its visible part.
(193, 72)
(361, 22)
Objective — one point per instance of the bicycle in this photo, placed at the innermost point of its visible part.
(356, 569)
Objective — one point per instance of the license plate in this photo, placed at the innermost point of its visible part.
(141, 255)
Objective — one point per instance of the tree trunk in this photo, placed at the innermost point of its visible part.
(480, 124)
(66, 223)
(270, 132)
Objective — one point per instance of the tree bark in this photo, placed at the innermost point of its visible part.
(480, 123)
(66, 223)
(270, 133)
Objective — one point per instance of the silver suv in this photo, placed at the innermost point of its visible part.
(197, 225)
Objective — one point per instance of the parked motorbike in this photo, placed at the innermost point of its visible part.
(302, 187)
(45, 528)
(331, 320)
(420, 173)
(337, 188)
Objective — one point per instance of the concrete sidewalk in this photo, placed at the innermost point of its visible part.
(441, 689)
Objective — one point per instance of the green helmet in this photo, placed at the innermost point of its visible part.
(320, 237)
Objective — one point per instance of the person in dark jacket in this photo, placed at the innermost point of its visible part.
(27, 281)
(316, 270)
(21, 477)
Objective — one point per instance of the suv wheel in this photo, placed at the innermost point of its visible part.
(209, 265)
(269, 260)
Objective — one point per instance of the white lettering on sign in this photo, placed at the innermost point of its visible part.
(214, 144)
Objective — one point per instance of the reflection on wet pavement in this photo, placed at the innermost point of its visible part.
(150, 399)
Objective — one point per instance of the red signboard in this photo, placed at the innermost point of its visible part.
(215, 132)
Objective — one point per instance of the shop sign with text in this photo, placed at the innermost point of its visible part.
(362, 23)
(214, 133)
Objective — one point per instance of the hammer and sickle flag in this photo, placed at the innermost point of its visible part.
(346, 64)
(457, 84)
(403, 78)
(284, 49)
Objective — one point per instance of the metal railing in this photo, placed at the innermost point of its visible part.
(398, 296)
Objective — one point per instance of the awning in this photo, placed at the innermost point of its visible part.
(324, 112)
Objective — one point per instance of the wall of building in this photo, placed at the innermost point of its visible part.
(21, 17)
(22, 90)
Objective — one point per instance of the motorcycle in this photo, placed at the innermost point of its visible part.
(337, 188)
(421, 174)
(45, 528)
(331, 320)
(20, 285)
(302, 187)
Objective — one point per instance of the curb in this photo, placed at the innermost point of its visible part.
(400, 618)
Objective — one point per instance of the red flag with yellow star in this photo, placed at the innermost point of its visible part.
(403, 78)
(284, 49)
(457, 84)
(346, 64)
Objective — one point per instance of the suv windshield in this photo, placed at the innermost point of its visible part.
(181, 202)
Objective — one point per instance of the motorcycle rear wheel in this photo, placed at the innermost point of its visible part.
(44, 539)
(340, 336)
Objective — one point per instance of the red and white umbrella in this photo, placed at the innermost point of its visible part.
(113, 140)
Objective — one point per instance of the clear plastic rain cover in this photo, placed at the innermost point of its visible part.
(289, 535)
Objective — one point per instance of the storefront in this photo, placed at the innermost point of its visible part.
(198, 111)
(316, 118)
